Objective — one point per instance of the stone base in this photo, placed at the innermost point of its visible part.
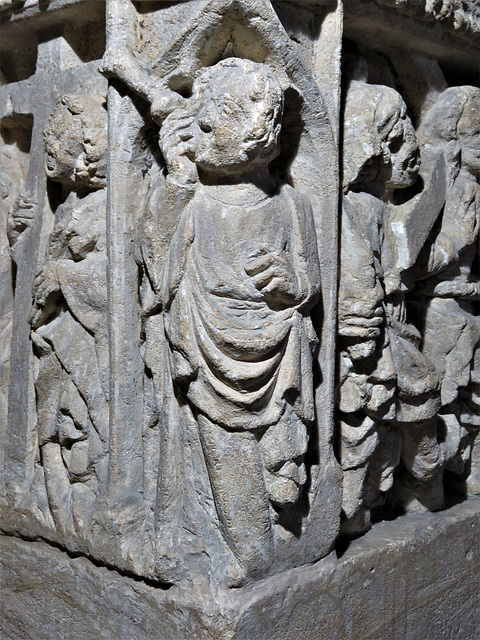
(417, 577)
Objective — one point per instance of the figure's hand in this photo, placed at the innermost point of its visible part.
(20, 217)
(177, 145)
(45, 284)
(361, 327)
(272, 274)
(455, 289)
(164, 102)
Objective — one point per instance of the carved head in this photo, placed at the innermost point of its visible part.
(238, 105)
(76, 142)
(469, 133)
(380, 145)
(453, 124)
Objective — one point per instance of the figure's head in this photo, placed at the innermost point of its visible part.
(76, 142)
(380, 145)
(238, 105)
(453, 124)
(469, 132)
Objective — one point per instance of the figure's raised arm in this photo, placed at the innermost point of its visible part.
(120, 63)
(168, 201)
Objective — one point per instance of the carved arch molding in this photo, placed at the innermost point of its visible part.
(240, 277)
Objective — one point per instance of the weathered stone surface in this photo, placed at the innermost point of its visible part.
(206, 434)
(420, 580)
(406, 371)
(239, 321)
(463, 13)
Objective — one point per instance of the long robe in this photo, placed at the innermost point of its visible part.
(235, 357)
(243, 365)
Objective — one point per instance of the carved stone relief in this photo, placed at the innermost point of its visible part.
(447, 288)
(229, 322)
(208, 372)
(69, 319)
(388, 391)
(239, 338)
(55, 431)
(406, 389)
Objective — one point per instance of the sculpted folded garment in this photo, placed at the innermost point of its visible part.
(236, 357)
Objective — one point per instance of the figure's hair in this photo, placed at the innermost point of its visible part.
(371, 112)
(261, 86)
(439, 127)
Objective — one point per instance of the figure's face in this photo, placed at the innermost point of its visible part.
(62, 148)
(75, 154)
(469, 133)
(91, 166)
(227, 123)
(404, 154)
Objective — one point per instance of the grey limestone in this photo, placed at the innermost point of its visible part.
(239, 318)
(419, 580)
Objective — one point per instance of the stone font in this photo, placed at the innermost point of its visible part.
(240, 282)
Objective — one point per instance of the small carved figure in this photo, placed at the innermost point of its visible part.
(240, 279)
(69, 327)
(448, 290)
(388, 389)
